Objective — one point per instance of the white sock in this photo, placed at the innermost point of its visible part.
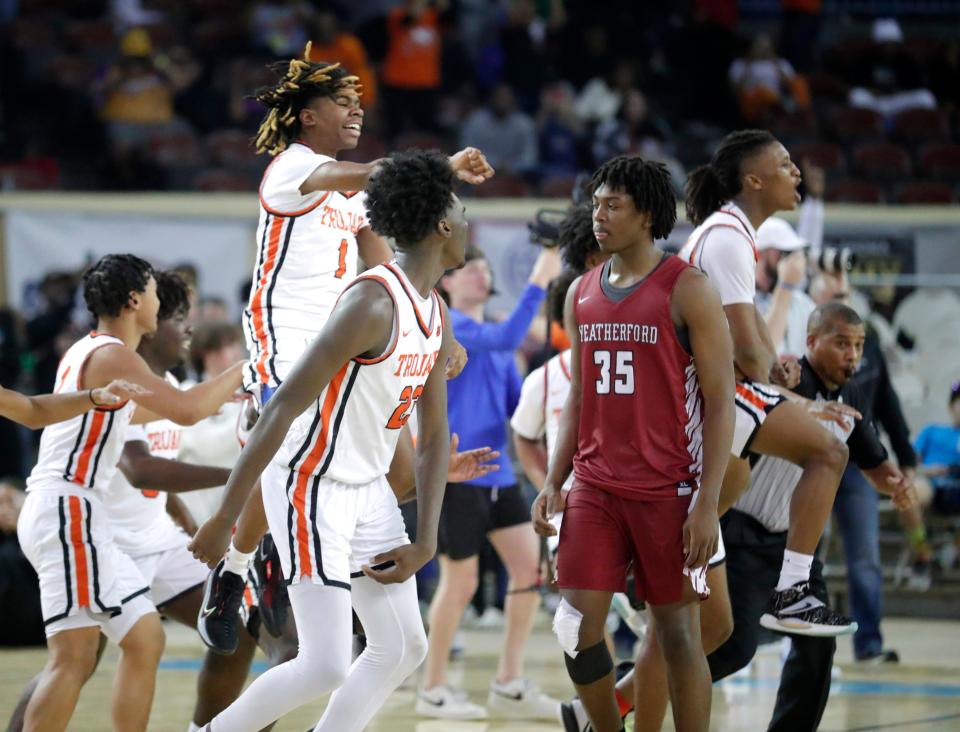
(321, 665)
(795, 568)
(193, 727)
(237, 561)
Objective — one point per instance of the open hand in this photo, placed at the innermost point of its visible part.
(470, 464)
(404, 561)
(843, 414)
(116, 392)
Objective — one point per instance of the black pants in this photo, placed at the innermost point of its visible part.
(754, 556)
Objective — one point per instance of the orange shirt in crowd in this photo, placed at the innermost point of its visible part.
(413, 50)
(347, 50)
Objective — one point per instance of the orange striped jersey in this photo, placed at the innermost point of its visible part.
(82, 453)
(306, 255)
(350, 432)
(139, 518)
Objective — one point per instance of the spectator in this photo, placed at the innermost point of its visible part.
(894, 82)
(507, 136)
(19, 587)
(195, 99)
(280, 26)
(938, 447)
(763, 82)
(330, 43)
(411, 70)
(600, 98)
(480, 401)
(560, 132)
(525, 39)
(211, 309)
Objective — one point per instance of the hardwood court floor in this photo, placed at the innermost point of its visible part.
(922, 694)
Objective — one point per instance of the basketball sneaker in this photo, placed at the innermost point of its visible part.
(574, 717)
(445, 702)
(272, 597)
(220, 612)
(797, 611)
(521, 699)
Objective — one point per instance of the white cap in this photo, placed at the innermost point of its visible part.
(776, 233)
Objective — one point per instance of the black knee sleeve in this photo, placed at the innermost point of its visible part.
(591, 664)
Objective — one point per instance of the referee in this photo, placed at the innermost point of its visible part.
(755, 529)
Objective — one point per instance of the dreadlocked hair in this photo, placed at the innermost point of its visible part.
(174, 294)
(647, 183)
(575, 237)
(711, 185)
(409, 194)
(301, 81)
(108, 283)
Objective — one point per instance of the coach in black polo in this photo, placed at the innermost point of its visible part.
(755, 529)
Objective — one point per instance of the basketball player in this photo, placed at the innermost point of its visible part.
(535, 424)
(646, 433)
(87, 584)
(313, 225)
(324, 444)
(136, 504)
(749, 178)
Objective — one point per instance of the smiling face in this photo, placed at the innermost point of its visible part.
(333, 123)
(772, 175)
(617, 224)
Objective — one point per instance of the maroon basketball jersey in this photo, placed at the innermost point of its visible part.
(641, 411)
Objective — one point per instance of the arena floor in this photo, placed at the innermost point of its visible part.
(922, 694)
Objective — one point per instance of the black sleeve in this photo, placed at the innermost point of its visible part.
(887, 408)
(866, 450)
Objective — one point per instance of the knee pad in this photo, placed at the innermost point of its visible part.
(590, 665)
(566, 626)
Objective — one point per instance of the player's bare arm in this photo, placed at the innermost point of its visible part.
(164, 401)
(752, 356)
(41, 410)
(361, 323)
(696, 305)
(149, 472)
(550, 499)
(533, 457)
(433, 452)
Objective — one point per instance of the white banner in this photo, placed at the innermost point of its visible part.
(38, 243)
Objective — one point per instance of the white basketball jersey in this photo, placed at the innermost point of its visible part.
(729, 216)
(306, 255)
(81, 454)
(139, 518)
(350, 434)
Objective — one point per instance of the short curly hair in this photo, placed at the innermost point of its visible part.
(174, 294)
(409, 194)
(108, 283)
(576, 239)
(557, 294)
(647, 183)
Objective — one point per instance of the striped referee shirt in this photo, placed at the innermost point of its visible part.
(772, 480)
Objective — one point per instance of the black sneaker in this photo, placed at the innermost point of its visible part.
(219, 618)
(879, 658)
(797, 611)
(272, 596)
(574, 717)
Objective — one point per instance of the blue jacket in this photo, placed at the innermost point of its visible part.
(482, 398)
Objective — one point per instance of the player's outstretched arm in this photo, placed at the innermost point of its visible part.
(360, 323)
(550, 499)
(696, 305)
(149, 472)
(430, 470)
(42, 410)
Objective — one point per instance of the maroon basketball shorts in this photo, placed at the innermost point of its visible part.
(604, 535)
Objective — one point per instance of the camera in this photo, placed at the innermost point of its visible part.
(834, 260)
(545, 227)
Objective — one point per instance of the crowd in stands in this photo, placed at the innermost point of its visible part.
(144, 95)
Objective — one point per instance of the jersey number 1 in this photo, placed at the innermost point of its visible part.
(342, 265)
(408, 398)
(623, 370)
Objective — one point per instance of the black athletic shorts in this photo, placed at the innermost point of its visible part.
(470, 512)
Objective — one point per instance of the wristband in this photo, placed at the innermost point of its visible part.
(787, 286)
